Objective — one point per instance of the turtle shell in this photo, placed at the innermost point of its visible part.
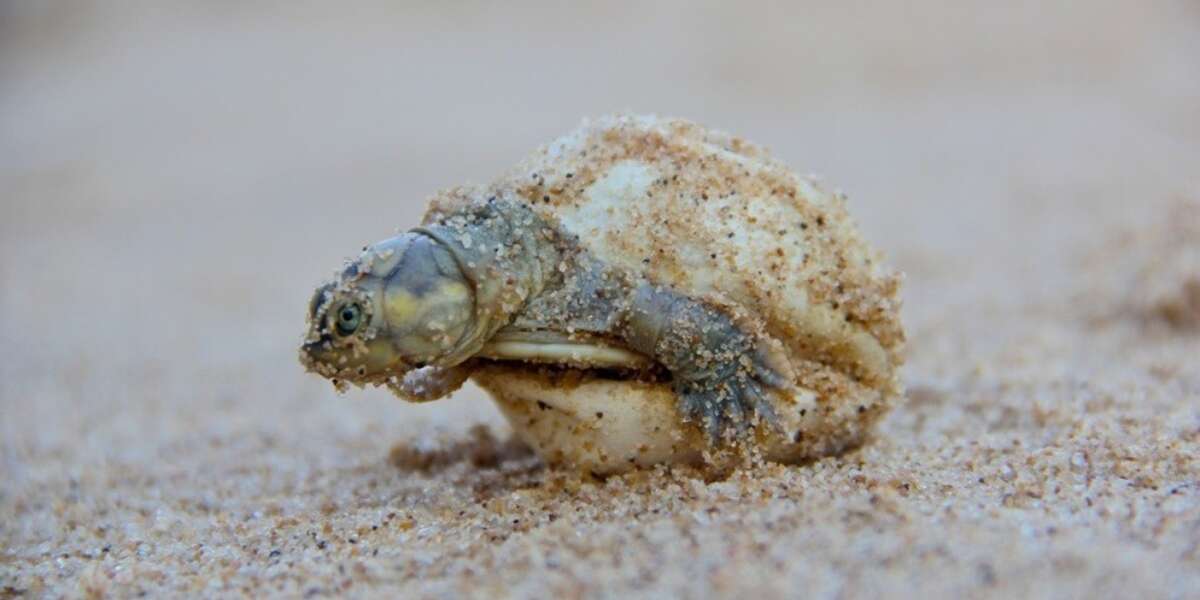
(714, 217)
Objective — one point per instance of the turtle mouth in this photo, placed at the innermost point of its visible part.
(372, 363)
(311, 352)
(320, 356)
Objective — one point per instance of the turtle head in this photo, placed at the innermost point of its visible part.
(403, 304)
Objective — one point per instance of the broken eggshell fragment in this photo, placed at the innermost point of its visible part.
(579, 419)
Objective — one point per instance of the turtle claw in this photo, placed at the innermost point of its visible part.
(737, 414)
(699, 404)
(729, 407)
(768, 376)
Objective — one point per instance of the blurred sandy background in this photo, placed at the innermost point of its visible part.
(174, 181)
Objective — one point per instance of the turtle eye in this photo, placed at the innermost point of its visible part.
(349, 317)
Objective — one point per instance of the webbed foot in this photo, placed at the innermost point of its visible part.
(721, 376)
(728, 399)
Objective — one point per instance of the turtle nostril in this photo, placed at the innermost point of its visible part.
(319, 300)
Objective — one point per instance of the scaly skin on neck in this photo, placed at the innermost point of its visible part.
(507, 253)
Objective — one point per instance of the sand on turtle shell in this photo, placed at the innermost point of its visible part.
(176, 179)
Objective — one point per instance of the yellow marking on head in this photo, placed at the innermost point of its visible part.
(403, 308)
(452, 291)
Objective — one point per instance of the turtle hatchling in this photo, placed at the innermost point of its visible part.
(641, 290)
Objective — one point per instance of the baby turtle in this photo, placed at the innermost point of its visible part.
(640, 249)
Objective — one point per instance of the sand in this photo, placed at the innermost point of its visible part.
(176, 180)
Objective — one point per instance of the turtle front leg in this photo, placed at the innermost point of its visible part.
(430, 383)
(720, 375)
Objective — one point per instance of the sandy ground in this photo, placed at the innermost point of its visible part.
(175, 181)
